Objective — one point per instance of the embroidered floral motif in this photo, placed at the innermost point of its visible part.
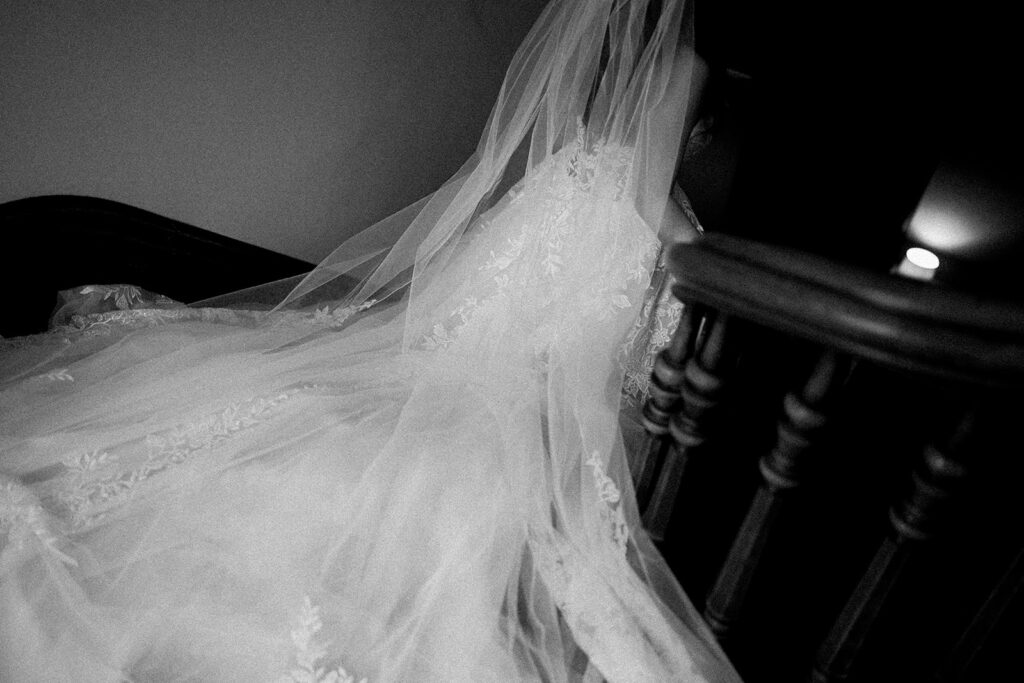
(650, 334)
(443, 335)
(338, 316)
(538, 264)
(88, 461)
(59, 375)
(439, 338)
(655, 326)
(100, 482)
(124, 296)
(311, 652)
(101, 324)
(637, 379)
(606, 488)
(589, 159)
(609, 494)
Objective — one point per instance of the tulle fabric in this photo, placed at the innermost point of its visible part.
(623, 67)
(422, 480)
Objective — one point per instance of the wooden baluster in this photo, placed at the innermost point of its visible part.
(783, 470)
(700, 395)
(663, 401)
(916, 519)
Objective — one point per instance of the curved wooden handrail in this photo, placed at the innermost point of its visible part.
(918, 326)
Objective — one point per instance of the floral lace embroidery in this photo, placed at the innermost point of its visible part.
(84, 326)
(100, 482)
(650, 334)
(88, 461)
(506, 258)
(587, 158)
(439, 338)
(58, 375)
(102, 324)
(656, 324)
(611, 513)
(333, 318)
(124, 296)
(535, 261)
(22, 517)
(311, 652)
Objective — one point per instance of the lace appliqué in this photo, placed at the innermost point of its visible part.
(337, 317)
(100, 482)
(104, 324)
(536, 266)
(124, 296)
(656, 324)
(651, 333)
(443, 335)
(311, 652)
(611, 512)
(57, 375)
(590, 158)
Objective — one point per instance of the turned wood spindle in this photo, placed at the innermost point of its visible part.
(700, 395)
(914, 520)
(663, 399)
(783, 469)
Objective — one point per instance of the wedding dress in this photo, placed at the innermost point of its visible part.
(422, 481)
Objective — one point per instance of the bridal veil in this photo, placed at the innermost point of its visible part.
(422, 478)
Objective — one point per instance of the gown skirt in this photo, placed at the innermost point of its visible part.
(432, 487)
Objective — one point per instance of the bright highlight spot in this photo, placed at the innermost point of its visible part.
(923, 258)
(943, 225)
(918, 264)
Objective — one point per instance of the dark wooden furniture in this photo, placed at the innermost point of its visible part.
(835, 473)
(56, 242)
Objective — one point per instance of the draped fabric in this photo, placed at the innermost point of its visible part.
(422, 479)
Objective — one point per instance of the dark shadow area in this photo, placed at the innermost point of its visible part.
(57, 242)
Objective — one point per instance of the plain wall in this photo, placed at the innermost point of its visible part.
(290, 125)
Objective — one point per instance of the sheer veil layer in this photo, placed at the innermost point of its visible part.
(420, 478)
